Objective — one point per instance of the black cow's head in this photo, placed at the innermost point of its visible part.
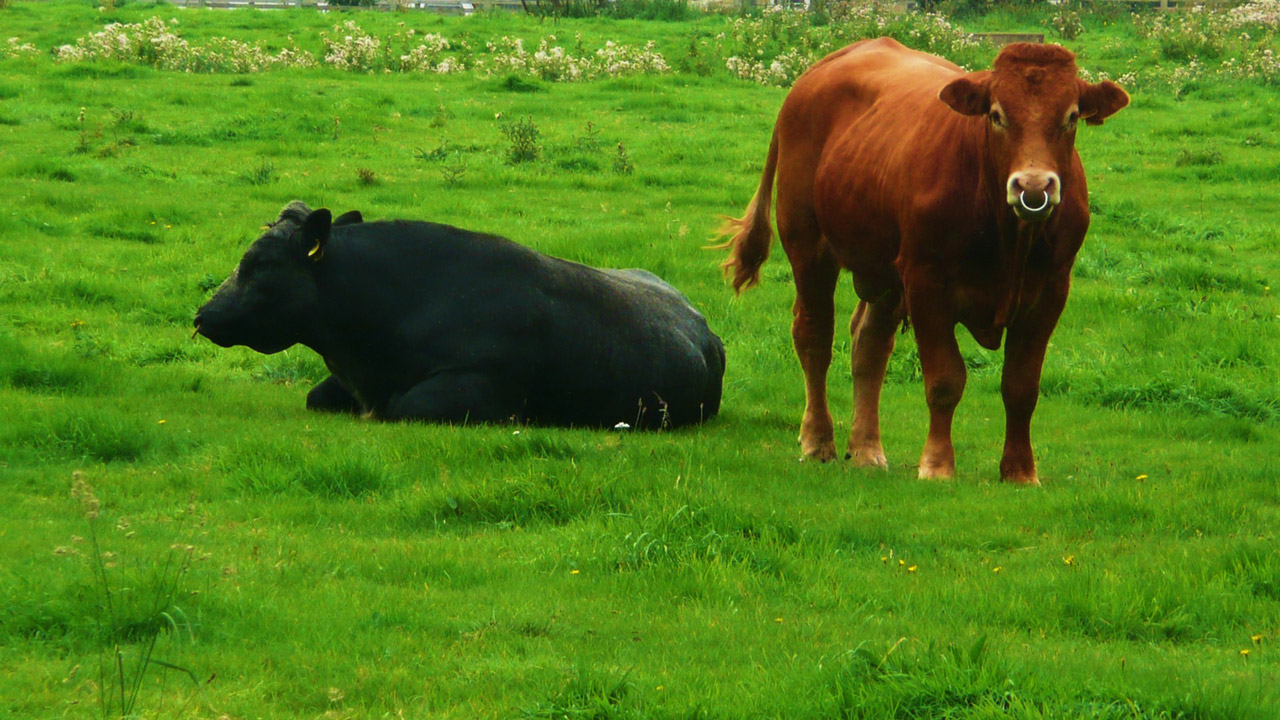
(271, 298)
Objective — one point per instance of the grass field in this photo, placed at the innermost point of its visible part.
(308, 566)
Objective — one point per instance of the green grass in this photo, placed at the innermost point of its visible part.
(344, 568)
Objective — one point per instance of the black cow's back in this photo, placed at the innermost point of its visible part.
(568, 344)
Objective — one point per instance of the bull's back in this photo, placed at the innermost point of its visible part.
(862, 136)
(881, 78)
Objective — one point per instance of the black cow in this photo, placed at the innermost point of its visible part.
(429, 322)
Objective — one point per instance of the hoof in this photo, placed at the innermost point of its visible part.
(822, 453)
(868, 458)
(935, 472)
(1018, 472)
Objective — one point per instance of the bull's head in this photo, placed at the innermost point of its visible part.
(271, 296)
(1032, 100)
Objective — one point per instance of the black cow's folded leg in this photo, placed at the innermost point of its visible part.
(456, 397)
(330, 396)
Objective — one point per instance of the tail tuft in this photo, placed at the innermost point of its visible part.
(748, 246)
(751, 235)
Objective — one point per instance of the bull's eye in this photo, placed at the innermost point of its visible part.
(997, 119)
(1072, 119)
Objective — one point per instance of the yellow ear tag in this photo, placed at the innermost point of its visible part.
(316, 252)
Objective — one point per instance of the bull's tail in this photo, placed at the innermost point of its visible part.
(751, 235)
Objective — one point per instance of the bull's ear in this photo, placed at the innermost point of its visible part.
(1099, 101)
(969, 94)
(315, 233)
(349, 218)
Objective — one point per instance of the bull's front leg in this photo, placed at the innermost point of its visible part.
(873, 327)
(944, 380)
(1025, 345)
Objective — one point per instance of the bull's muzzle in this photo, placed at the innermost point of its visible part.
(1033, 194)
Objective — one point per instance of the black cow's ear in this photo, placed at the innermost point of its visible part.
(1099, 101)
(315, 233)
(969, 94)
(349, 218)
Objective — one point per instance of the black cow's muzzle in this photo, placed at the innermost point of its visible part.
(210, 330)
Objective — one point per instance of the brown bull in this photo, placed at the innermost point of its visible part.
(952, 198)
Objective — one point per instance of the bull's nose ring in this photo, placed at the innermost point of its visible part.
(1022, 199)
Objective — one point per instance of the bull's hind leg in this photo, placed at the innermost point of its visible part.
(873, 328)
(459, 397)
(812, 332)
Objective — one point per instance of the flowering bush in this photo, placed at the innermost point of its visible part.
(429, 56)
(782, 70)
(508, 55)
(224, 55)
(349, 47)
(774, 48)
(156, 42)
(1067, 21)
(1259, 13)
(616, 60)
(353, 49)
(1198, 34)
(554, 63)
(149, 42)
(1260, 65)
(13, 49)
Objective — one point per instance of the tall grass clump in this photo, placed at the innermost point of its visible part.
(947, 681)
(74, 433)
(137, 603)
(525, 140)
(692, 535)
(969, 681)
(279, 468)
(590, 696)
